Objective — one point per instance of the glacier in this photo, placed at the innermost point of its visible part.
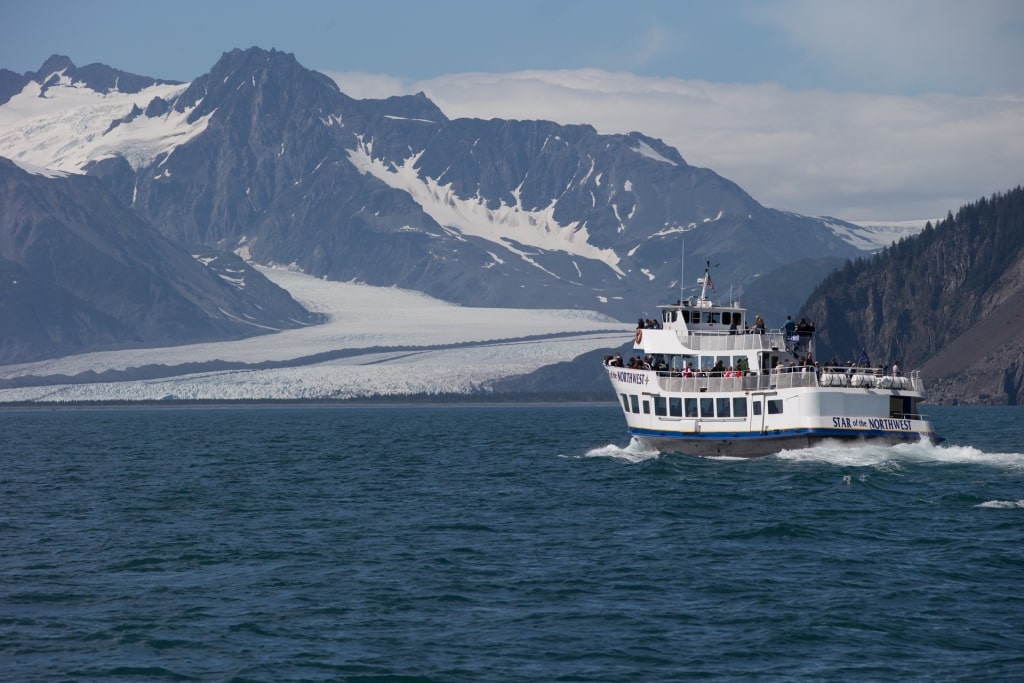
(397, 343)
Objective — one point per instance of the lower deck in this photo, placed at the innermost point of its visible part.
(760, 414)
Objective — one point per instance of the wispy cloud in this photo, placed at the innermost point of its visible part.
(908, 45)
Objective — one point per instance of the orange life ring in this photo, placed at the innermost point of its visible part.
(639, 335)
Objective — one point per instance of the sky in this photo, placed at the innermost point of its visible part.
(874, 111)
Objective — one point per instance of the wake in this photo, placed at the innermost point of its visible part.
(846, 455)
(633, 452)
(875, 455)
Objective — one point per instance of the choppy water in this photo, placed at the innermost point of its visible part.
(511, 543)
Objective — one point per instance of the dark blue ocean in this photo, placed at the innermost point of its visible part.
(498, 543)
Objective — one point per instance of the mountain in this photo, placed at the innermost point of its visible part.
(60, 70)
(949, 300)
(269, 159)
(81, 272)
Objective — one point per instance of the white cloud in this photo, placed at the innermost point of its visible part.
(362, 85)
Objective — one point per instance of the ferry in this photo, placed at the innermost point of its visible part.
(706, 380)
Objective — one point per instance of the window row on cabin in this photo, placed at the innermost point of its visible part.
(676, 363)
(703, 407)
(706, 317)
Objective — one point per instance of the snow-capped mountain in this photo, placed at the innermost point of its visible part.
(874, 236)
(266, 158)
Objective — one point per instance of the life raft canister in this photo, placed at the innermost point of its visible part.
(639, 335)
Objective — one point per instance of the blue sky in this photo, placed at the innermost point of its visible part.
(887, 110)
(886, 46)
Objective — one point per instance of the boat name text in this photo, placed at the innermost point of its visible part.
(881, 423)
(629, 377)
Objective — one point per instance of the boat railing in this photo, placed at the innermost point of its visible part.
(909, 416)
(789, 378)
(750, 382)
(724, 340)
(868, 378)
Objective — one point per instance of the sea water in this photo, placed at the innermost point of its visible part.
(498, 543)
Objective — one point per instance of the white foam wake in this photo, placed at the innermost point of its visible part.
(1004, 504)
(871, 455)
(633, 452)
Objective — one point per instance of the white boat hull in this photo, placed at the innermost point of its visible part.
(760, 415)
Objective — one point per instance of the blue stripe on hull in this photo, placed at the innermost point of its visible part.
(754, 444)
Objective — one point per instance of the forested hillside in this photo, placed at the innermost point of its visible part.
(949, 301)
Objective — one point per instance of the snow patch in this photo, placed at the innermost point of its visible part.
(646, 150)
(536, 228)
(60, 128)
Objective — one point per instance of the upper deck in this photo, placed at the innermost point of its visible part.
(682, 340)
(699, 331)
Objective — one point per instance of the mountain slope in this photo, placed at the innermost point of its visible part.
(81, 272)
(949, 300)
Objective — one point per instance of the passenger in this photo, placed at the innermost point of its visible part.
(688, 371)
(759, 325)
(802, 335)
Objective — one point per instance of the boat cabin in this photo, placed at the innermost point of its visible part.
(702, 315)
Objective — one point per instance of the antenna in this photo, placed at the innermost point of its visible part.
(682, 271)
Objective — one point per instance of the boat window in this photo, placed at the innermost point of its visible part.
(635, 401)
(691, 407)
(647, 407)
(686, 316)
(707, 406)
(775, 407)
(675, 406)
(625, 402)
(660, 406)
(711, 317)
(722, 407)
(727, 318)
(739, 407)
(757, 407)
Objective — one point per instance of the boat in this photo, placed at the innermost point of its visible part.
(706, 380)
